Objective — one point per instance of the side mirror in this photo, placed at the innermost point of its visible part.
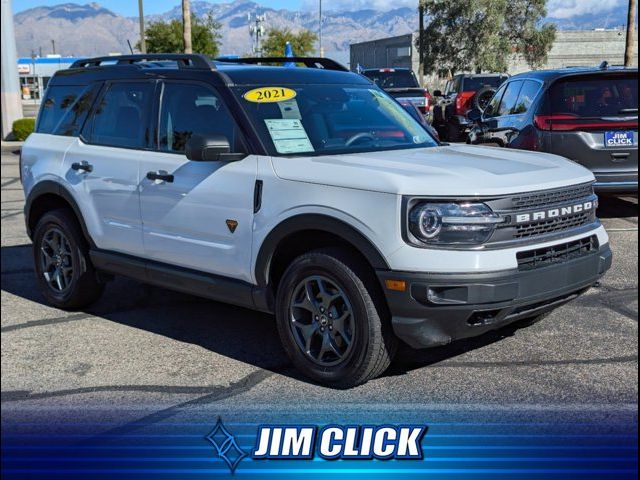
(437, 93)
(211, 148)
(474, 115)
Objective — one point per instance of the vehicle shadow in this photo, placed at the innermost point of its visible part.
(237, 333)
(611, 206)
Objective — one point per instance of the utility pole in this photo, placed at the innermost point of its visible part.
(53, 46)
(9, 86)
(186, 26)
(631, 30)
(320, 49)
(421, 42)
(257, 31)
(143, 42)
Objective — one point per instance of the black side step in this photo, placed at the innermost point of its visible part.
(193, 282)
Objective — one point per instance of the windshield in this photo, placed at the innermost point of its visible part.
(473, 84)
(393, 79)
(596, 96)
(330, 119)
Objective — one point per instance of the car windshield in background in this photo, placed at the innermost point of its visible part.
(595, 96)
(473, 84)
(393, 78)
(330, 119)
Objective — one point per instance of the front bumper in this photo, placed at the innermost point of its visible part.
(436, 309)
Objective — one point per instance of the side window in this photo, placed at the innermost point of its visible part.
(188, 109)
(527, 95)
(492, 108)
(509, 99)
(65, 108)
(121, 117)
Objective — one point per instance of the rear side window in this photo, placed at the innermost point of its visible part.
(528, 94)
(509, 99)
(120, 119)
(595, 96)
(65, 108)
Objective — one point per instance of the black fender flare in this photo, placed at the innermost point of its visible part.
(50, 187)
(325, 223)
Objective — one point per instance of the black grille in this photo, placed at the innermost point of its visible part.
(542, 257)
(551, 197)
(559, 224)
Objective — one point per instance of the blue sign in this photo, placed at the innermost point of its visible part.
(618, 139)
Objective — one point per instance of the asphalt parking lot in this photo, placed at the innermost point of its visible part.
(148, 351)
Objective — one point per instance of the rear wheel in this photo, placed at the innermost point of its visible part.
(64, 271)
(331, 321)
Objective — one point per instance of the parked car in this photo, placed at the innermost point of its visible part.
(462, 93)
(418, 116)
(589, 115)
(401, 83)
(308, 193)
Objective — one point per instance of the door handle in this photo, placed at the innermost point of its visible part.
(82, 166)
(620, 157)
(160, 175)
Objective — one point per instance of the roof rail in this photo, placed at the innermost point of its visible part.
(183, 60)
(309, 62)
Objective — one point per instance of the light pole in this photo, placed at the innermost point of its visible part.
(143, 42)
(9, 86)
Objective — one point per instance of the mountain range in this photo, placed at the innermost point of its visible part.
(92, 29)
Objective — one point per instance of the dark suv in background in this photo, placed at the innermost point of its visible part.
(589, 115)
(462, 94)
(402, 84)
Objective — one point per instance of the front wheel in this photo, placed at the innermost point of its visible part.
(331, 320)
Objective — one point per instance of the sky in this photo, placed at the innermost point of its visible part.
(129, 8)
(556, 8)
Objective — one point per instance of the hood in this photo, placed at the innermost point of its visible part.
(453, 170)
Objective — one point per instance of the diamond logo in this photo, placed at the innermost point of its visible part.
(226, 446)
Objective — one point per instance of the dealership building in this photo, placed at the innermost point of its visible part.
(36, 72)
(571, 48)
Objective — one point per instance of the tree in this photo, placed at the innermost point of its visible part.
(302, 42)
(186, 26)
(167, 37)
(480, 35)
(631, 30)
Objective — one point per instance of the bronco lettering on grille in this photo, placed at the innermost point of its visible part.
(555, 212)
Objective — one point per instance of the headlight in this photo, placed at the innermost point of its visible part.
(452, 223)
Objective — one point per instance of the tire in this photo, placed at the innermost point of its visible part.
(453, 133)
(482, 98)
(69, 289)
(366, 347)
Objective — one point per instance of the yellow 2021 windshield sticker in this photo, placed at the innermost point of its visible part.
(269, 94)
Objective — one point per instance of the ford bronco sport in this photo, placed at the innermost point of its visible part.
(305, 192)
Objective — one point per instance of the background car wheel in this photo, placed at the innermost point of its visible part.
(332, 321)
(64, 271)
(482, 98)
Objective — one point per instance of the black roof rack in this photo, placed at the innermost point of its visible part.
(183, 60)
(309, 62)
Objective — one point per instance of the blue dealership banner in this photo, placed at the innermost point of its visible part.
(458, 443)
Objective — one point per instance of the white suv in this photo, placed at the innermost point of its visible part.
(305, 192)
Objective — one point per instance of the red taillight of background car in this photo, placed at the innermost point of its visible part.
(427, 101)
(567, 122)
(463, 102)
